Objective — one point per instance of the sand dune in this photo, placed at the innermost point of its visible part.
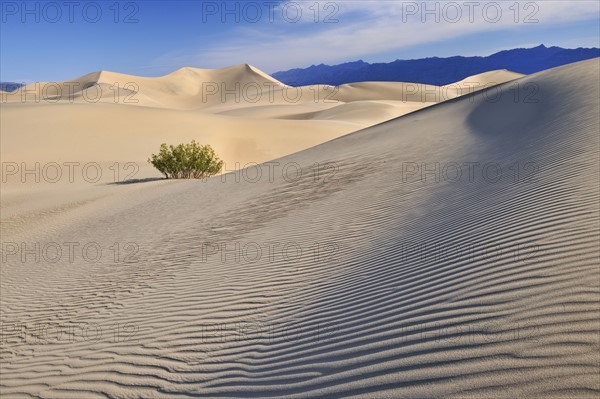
(401, 277)
(185, 88)
(235, 86)
(62, 121)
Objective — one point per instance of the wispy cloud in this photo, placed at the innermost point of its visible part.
(373, 27)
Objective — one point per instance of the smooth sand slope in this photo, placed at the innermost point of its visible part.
(373, 280)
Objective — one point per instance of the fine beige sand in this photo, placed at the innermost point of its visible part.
(450, 252)
(246, 115)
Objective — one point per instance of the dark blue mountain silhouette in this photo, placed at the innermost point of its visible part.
(437, 71)
(9, 86)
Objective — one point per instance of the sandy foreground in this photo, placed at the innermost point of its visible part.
(451, 252)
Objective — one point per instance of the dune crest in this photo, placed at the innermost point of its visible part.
(235, 87)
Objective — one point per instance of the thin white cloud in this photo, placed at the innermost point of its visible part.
(371, 27)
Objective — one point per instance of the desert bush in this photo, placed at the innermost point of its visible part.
(186, 161)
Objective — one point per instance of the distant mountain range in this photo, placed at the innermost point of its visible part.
(9, 86)
(436, 71)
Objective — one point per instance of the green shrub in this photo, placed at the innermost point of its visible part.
(186, 161)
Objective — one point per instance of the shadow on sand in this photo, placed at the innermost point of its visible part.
(136, 181)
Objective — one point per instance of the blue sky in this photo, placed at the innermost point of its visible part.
(58, 40)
